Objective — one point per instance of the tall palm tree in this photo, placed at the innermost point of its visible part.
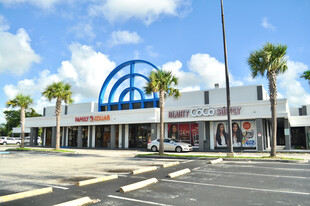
(22, 101)
(163, 82)
(61, 92)
(270, 60)
(306, 75)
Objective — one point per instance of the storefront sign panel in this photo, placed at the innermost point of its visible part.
(203, 112)
(94, 118)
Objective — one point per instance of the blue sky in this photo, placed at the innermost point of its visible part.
(81, 41)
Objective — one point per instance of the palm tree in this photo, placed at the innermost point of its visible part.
(270, 60)
(23, 102)
(61, 92)
(306, 75)
(163, 82)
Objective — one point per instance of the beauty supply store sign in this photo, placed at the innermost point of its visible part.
(203, 112)
(95, 118)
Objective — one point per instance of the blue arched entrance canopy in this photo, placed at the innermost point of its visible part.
(132, 103)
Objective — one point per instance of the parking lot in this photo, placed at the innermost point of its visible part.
(225, 183)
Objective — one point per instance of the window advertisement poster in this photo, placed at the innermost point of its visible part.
(184, 132)
(243, 134)
(248, 132)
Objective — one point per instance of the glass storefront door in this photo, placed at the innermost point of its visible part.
(138, 135)
(84, 136)
(103, 136)
(72, 137)
(48, 137)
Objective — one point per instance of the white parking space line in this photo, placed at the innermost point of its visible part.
(187, 161)
(58, 187)
(197, 169)
(253, 174)
(273, 168)
(136, 200)
(236, 187)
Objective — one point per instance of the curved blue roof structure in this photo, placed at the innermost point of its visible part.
(132, 103)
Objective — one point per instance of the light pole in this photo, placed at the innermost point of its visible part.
(230, 144)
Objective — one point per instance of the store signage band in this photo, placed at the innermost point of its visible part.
(93, 118)
(204, 111)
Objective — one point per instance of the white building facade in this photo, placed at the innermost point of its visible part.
(197, 117)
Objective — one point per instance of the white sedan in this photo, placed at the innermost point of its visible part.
(170, 145)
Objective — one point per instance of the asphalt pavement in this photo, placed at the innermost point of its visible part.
(226, 183)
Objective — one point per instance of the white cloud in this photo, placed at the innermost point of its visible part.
(4, 25)
(85, 71)
(124, 37)
(267, 25)
(210, 71)
(16, 54)
(44, 4)
(83, 30)
(150, 51)
(205, 71)
(289, 83)
(186, 80)
(146, 11)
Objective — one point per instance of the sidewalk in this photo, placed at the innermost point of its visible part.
(299, 154)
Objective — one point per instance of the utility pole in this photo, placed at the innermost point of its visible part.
(230, 142)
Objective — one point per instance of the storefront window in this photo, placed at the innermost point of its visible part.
(185, 132)
(243, 134)
(139, 135)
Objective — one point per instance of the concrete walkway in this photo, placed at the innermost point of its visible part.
(299, 154)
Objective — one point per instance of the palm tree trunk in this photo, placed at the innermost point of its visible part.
(273, 102)
(161, 106)
(58, 114)
(22, 126)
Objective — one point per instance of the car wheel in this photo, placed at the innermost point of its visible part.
(154, 148)
(178, 149)
(4, 143)
(18, 143)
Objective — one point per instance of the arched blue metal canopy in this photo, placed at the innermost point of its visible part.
(130, 90)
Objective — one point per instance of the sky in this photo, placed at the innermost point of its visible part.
(81, 41)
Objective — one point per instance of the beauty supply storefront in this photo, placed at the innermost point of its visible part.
(205, 127)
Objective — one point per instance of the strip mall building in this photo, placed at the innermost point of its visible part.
(125, 117)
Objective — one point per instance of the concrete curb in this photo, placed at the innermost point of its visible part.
(225, 159)
(138, 185)
(78, 202)
(216, 161)
(96, 180)
(179, 173)
(146, 169)
(170, 164)
(22, 195)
